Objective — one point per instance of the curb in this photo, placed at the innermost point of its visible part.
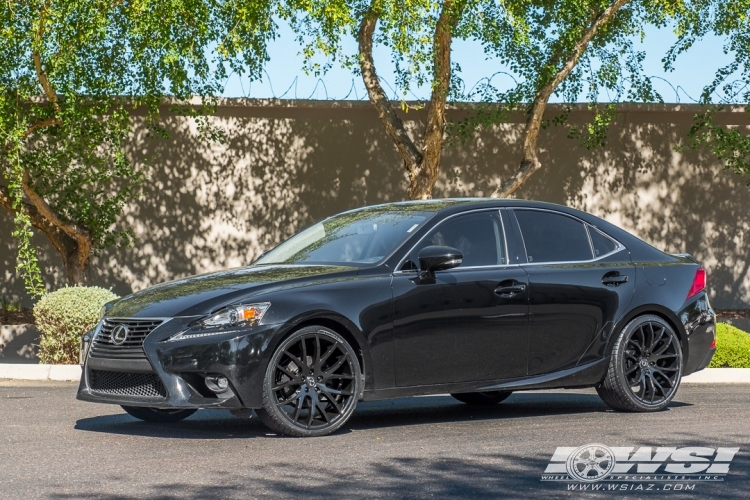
(719, 376)
(66, 373)
(62, 373)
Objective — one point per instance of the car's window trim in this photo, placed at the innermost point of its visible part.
(620, 247)
(496, 210)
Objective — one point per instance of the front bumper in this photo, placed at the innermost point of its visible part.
(171, 374)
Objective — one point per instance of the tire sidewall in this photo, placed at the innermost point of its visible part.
(269, 401)
(619, 365)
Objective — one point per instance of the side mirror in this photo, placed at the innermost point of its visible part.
(437, 258)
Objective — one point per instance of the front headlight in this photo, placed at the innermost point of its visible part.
(249, 314)
(215, 324)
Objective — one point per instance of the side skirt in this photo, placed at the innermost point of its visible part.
(587, 375)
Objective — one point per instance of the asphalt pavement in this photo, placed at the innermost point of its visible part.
(55, 447)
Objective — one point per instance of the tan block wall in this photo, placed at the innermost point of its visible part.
(287, 164)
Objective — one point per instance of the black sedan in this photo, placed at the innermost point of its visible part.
(473, 297)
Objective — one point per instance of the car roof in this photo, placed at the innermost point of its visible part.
(458, 204)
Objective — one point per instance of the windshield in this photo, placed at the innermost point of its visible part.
(363, 236)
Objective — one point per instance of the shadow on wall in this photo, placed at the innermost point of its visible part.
(284, 166)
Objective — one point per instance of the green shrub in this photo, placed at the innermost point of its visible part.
(63, 317)
(732, 348)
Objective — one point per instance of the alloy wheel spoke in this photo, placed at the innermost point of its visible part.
(336, 366)
(313, 409)
(298, 409)
(653, 389)
(340, 376)
(296, 360)
(328, 353)
(331, 400)
(657, 339)
(284, 385)
(667, 345)
(286, 372)
(290, 399)
(322, 411)
(317, 351)
(631, 356)
(657, 384)
(338, 392)
(666, 377)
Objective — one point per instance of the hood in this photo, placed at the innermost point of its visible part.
(202, 294)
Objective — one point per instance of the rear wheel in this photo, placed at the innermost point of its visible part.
(482, 398)
(312, 384)
(645, 368)
(157, 414)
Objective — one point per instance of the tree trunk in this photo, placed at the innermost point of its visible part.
(422, 166)
(530, 162)
(72, 242)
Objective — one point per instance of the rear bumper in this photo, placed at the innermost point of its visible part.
(700, 326)
(171, 374)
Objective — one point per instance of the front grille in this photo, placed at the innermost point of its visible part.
(142, 385)
(132, 348)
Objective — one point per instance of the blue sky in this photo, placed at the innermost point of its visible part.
(694, 69)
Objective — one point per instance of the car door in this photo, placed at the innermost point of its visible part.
(471, 323)
(580, 282)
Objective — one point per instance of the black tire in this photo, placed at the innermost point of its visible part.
(157, 414)
(482, 398)
(645, 367)
(312, 384)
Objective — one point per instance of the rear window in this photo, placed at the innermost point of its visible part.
(552, 237)
(601, 243)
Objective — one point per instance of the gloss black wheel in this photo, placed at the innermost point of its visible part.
(482, 398)
(312, 384)
(645, 367)
(157, 414)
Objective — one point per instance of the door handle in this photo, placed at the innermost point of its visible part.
(614, 279)
(510, 289)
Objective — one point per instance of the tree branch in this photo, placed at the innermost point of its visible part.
(394, 127)
(530, 162)
(36, 218)
(441, 79)
(40, 73)
(73, 230)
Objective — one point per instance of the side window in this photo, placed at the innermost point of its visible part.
(479, 236)
(601, 243)
(551, 237)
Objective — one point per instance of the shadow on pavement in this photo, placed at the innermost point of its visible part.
(219, 424)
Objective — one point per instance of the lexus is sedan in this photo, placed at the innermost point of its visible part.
(473, 297)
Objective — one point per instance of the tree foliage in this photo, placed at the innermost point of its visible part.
(72, 74)
(729, 19)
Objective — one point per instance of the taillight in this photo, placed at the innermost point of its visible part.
(713, 344)
(699, 282)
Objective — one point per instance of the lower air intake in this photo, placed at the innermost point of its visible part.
(141, 385)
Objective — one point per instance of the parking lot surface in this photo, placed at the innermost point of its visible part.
(52, 446)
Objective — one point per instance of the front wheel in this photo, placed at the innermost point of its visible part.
(645, 368)
(157, 414)
(312, 384)
(482, 398)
